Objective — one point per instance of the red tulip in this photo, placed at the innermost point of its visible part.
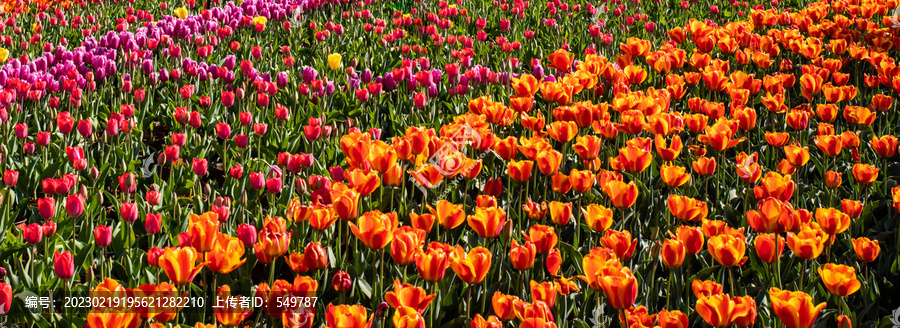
(102, 236)
(63, 265)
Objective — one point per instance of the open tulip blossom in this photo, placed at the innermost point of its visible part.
(449, 163)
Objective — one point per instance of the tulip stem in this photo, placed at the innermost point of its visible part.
(469, 303)
(731, 280)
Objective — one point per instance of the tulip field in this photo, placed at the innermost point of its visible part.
(450, 163)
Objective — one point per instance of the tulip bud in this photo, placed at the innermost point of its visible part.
(153, 256)
(341, 282)
(49, 229)
(95, 173)
(247, 234)
(102, 236)
(33, 233)
(243, 200)
(152, 223)
(207, 190)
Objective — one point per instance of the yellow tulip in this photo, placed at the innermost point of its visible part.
(334, 61)
(181, 12)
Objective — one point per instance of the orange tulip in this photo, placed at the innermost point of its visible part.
(103, 319)
(674, 176)
(705, 166)
(777, 139)
(797, 119)
(471, 267)
(581, 181)
(587, 147)
(356, 146)
(180, 264)
(561, 60)
(522, 256)
(866, 250)
(634, 160)
(715, 80)
(886, 146)
(768, 247)
(448, 214)
(506, 148)
(562, 131)
(408, 295)
(809, 242)
(839, 279)
(432, 263)
(548, 161)
(407, 317)
(560, 183)
(668, 153)
(322, 217)
(363, 181)
(776, 186)
(620, 242)
(553, 261)
(543, 292)
(744, 314)
(226, 255)
(797, 156)
(273, 241)
(543, 237)
(691, 237)
(849, 139)
(230, 315)
(382, 156)
(526, 85)
(347, 316)
(345, 200)
(853, 208)
(832, 221)
(865, 174)
(561, 213)
(895, 197)
(771, 215)
(487, 221)
(811, 85)
(407, 242)
(534, 210)
(622, 195)
(619, 286)
(728, 249)
(519, 170)
(375, 229)
(719, 136)
(672, 253)
(686, 208)
(598, 217)
(719, 310)
(703, 289)
(829, 144)
(795, 309)
(202, 231)
(672, 319)
(503, 305)
(490, 322)
(593, 264)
